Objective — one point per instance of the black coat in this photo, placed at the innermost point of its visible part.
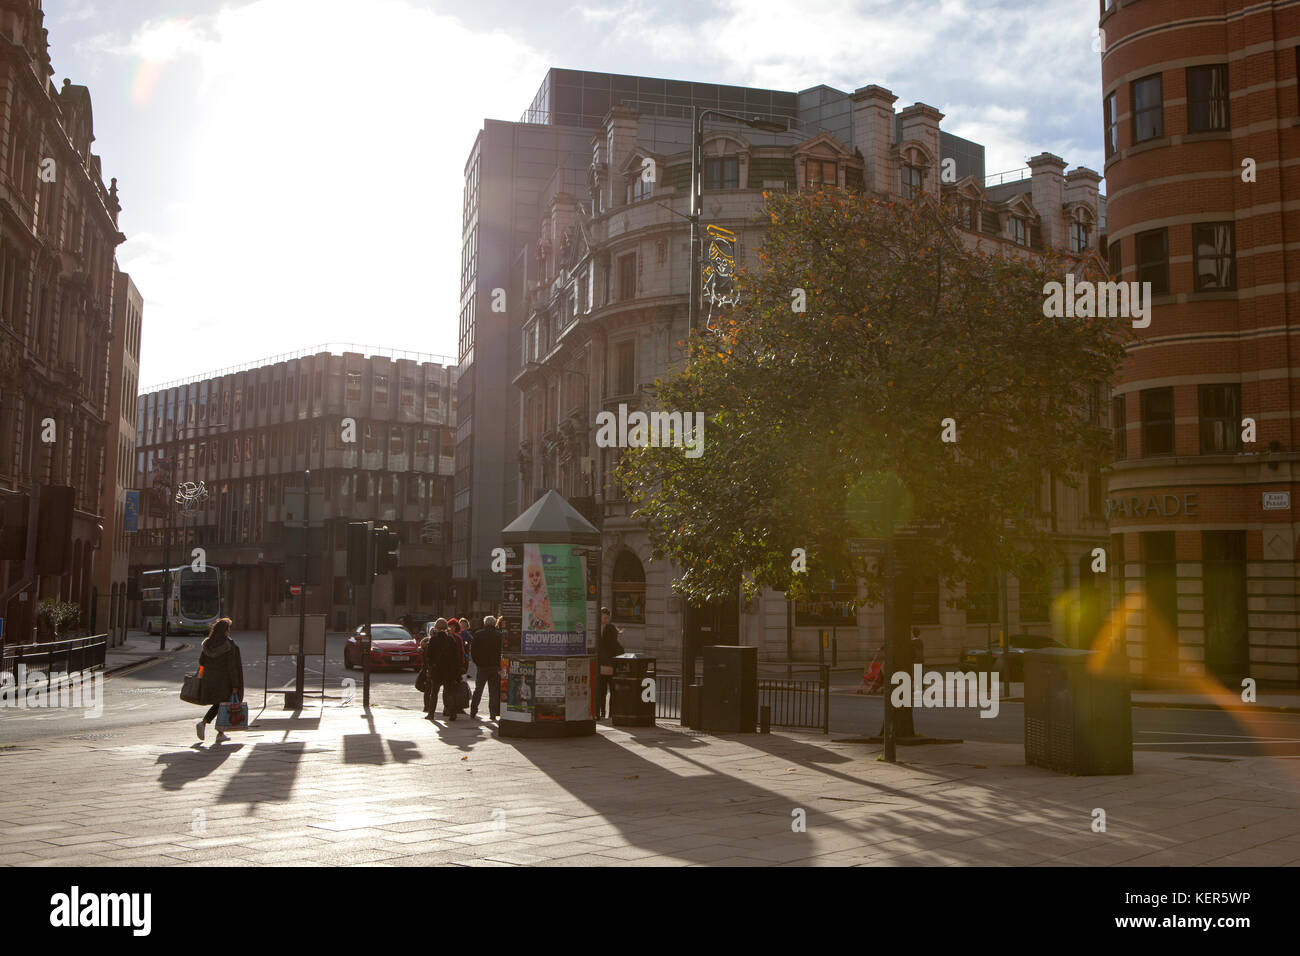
(608, 647)
(486, 649)
(444, 658)
(223, 672)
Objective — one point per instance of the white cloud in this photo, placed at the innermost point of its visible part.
(322, 181)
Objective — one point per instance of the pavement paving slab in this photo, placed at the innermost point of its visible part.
(324, 790)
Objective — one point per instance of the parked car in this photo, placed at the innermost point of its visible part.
(390, 646)
(986, 658)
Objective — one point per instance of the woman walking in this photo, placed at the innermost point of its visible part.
(431, 646)
(221, 673)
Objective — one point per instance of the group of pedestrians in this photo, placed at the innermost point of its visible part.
(448, 649)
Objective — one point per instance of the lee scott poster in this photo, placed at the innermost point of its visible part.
(554, 601)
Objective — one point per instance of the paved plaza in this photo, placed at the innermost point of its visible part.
(335, 787)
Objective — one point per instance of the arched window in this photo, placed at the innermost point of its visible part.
(629, 589)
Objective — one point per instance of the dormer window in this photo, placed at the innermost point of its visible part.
(722, 172)
(913, 182)
(820, 174)
(1018, 231)
(1079, 237)
(640, 189)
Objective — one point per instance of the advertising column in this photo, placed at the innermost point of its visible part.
(549, 646)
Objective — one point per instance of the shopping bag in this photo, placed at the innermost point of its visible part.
(192, 689)
(232, 715)
(462, 694)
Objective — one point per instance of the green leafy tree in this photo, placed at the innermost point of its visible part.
(827, 423)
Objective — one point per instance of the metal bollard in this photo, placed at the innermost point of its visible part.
(765, 719)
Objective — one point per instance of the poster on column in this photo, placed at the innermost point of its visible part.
(580, 674)
(590, 568)
(549, 704)
(520, 692)
(511, 601)
(554, 601)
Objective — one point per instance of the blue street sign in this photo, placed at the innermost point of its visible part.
(131, 513)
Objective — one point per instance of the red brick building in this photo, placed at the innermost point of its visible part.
(1202, 123)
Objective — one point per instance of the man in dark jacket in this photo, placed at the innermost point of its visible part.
(486, 652)
(221, 672)
(607, 648)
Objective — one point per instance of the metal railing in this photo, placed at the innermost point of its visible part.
(1009, 176)
(799, 703)
(76, 654)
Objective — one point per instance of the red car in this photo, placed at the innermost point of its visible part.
(391, 645)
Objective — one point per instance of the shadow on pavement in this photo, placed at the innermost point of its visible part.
(195, 763)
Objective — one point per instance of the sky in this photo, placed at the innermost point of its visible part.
(291, 171)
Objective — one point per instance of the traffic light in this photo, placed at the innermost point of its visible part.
(387, 544)
(359, 551)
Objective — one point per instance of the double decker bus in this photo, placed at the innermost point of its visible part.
(195, 599)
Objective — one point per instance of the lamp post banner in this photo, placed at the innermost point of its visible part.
(554, 601)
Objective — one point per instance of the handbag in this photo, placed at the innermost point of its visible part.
(422, 680)
(232, 714)
(462, 694)
(192, 689)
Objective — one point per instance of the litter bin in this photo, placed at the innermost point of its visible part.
(629, 706)
(1077, 720)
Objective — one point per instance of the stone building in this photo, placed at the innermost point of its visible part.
(111, 565)
(1199, 107)
(58, 232)
(248, 435)
(603, 305)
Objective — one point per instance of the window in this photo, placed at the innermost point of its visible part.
(413, 484)
(1148, 109)
(1220, 407)
(1079, 237)
(396, 441)
(239, 398)
(407, 397)
(1207, 98)
(1033, 606)
(431, 397)
(1111, 105)
(422, 441)
(982, 601)
(819, 173)
(387, 487)
(1157, 422)
(625, 368)
(722, 172)
(1016, 229)
(261, 395)
(353, 389)
(913, 183)
(360, 487)
(629, 589)
(1119, 426)
(1213, 251)
(381, 390)
(627, 277)
(925, 599)
(640, 189)
(288, 392)
(1153, 260)
(369, 440)
(1114, 259)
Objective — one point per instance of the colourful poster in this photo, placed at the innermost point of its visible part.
(520, 691)
(578, 699)
(554, 601)
(549, 684)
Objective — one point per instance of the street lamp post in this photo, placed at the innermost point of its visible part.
(693, 298)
